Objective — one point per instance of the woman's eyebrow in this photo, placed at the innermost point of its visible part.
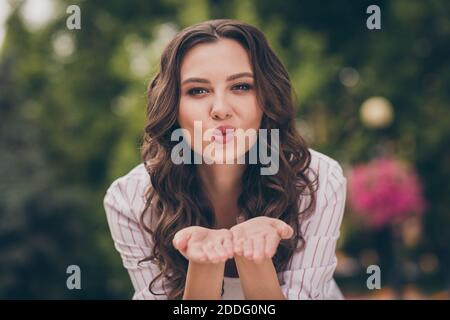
(240, 75)
(229, 78)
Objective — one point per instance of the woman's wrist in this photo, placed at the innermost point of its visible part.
(196, 288)
(251, 273)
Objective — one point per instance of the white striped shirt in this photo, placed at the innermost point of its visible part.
(309, 274)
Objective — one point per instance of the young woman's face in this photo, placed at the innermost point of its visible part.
(217, 92)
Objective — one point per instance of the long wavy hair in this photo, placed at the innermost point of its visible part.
(174, 199)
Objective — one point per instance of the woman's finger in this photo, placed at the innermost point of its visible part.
(196, 253)
(284, 230)
(181, 239)
(228, 246)
(210, 251)
(271, 245)
(259, 249)
(220, 251)
(238, 246)
(288, 232)
(248, 248)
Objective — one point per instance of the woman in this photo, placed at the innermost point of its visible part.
(218, 226)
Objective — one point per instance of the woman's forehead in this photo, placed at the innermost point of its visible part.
(221, 58)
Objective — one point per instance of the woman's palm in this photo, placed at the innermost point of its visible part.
(203, 245)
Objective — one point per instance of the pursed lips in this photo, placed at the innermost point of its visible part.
(224, 133)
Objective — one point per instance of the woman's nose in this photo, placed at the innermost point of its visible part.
(220, 109)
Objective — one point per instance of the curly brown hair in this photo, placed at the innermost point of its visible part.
(175, 195)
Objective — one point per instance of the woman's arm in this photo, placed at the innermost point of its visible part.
(309, 275)
(131, 241)
(204, 281)
(255, 243)
(251, 275)
(206, 250)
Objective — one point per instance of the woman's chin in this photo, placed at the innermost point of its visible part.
(223, 156)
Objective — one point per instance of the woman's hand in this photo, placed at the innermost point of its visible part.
(257, 239)
(203, 245)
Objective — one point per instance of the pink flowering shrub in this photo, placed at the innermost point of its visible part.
(385, 191)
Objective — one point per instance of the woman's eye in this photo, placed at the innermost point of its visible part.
(243, 87)
(196, 91)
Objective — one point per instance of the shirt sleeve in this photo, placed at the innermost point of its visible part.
(130, 240)
(310, 272)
